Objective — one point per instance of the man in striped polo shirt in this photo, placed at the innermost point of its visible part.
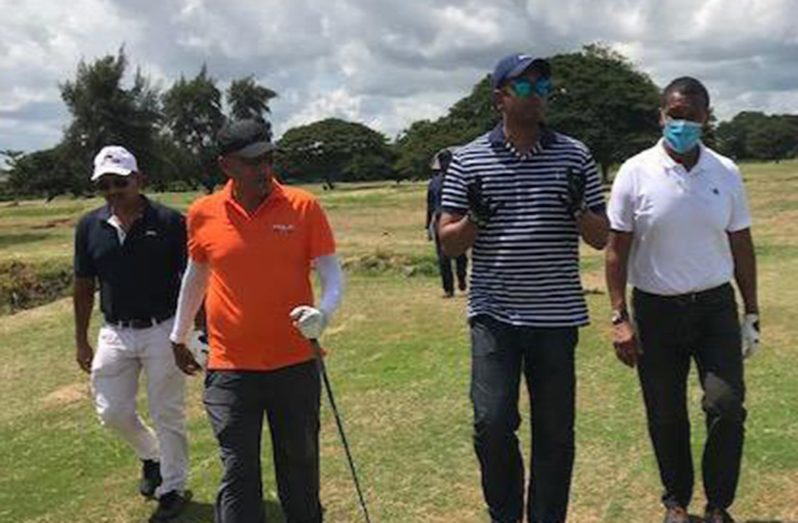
(521, 196)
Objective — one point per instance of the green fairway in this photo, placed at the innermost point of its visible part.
(399, 363)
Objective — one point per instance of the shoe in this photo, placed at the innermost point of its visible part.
(150, 477)
(462, 285)
(677, 515)
(170, 505)
(717, 515)
(448, 294)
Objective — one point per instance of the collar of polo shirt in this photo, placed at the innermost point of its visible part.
(670, 164)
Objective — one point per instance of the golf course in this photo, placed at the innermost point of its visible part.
(398, 359)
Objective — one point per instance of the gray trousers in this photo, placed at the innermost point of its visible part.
(236, 402)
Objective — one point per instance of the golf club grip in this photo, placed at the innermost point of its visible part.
(323, 371)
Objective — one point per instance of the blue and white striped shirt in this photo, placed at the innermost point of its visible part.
(526, 260)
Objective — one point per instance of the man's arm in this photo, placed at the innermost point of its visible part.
(192, 294)
(83, 303)
(616, 261)
(593, 228)
(456, 233)
(742, 248)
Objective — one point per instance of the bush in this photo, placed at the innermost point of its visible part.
(25, 285)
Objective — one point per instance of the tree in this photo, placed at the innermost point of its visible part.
(193, 114)
(44, 173)
(603, 101)
(599, 99)
(247, 99)
(755, 135)
(334, 149)
(105, 113)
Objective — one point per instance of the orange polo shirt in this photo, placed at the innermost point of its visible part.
(260, 269)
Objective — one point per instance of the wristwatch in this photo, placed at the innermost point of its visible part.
(620, 316)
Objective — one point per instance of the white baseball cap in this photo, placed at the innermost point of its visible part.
(114, 159)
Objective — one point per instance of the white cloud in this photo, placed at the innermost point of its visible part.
(385, 63)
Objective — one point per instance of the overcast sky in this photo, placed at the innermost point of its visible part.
(385, 63)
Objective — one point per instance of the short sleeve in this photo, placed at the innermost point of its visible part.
(320, 238)
(740, 217)
(620, 210)
(454, 199)
(594, 196)
(196, 248)
(83, 263)
(180, 241)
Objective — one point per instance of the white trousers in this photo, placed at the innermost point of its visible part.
(121, 354)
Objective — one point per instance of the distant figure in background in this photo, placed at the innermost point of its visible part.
(439, 164)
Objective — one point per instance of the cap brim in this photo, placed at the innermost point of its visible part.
(538, 64)
(254, 150)
(102, 171)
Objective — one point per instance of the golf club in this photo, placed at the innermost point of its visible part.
(323, 371)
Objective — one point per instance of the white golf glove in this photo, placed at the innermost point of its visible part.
(198, 345)
(750, 334)
(309, 320)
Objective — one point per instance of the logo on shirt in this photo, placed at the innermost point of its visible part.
(151, 233)
(283, 228)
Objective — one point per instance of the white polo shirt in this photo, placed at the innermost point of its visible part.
(679, 219)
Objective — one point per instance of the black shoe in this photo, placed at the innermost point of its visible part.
(462, 285)
(676, 515)
(170, 505)
(717, 515)
(150, 477)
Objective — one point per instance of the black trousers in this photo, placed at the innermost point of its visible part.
(445, 268)
(236, 402)
(673, 330)
(499, 353)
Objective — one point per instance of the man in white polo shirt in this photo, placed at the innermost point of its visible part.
(680, 231)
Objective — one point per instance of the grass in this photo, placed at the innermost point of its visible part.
(399, 365)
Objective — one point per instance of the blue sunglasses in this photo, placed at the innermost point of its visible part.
(523, 88)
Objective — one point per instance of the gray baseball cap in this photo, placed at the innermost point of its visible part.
(247, 138)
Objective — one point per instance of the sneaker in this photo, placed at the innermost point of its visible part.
(150, 477)
(170, 505)
(717, 515)
(677, 515)
(448, 294)
(462, 285)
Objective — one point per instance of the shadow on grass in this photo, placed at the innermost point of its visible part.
(698, 519)
(8, 240)
(200, 512)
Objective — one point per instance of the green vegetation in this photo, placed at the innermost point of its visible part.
(398, 359)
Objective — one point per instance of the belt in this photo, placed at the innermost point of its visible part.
(138, 323)
(690, 297)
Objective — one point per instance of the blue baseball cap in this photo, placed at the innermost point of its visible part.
(514, 65)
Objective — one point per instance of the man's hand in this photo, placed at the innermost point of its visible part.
(625, 342)
(84, 356)
(481, 208)
(184, 359)
(750, 334)
(574, 197)
(309, 321)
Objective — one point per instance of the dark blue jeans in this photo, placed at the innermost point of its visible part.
(673, 331)
(445, 268)
(499, 354)
(236, 402)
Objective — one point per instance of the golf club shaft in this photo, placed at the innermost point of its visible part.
(323, 371)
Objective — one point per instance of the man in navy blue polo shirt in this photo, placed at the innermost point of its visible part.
(521, 196)
(136, 250)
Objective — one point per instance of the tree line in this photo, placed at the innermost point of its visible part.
(599, 98)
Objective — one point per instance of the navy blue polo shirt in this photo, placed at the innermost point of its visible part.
(140, 277)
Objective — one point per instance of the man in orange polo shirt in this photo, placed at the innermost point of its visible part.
(252, 246)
